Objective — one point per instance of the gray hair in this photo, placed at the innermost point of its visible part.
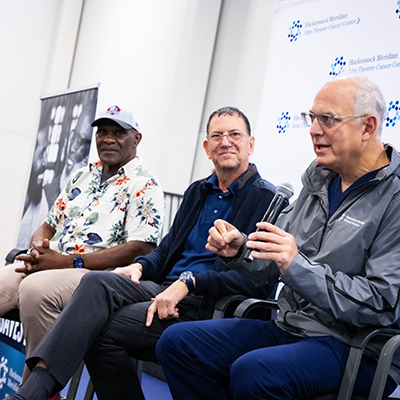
(369, 99)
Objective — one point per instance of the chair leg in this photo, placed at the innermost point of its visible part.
(382, 370)
(89, 394)
(138, 364)
(350, 374)
(74, 384)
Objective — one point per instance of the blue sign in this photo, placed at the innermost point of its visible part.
(12, 356)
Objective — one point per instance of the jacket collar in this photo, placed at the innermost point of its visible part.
(247, 177)
(316, 178)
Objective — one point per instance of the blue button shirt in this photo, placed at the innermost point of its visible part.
(218, 205)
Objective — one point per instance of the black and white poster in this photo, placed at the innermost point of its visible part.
(62, 146)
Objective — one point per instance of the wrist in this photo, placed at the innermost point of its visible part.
(140, 267)
(188, 278)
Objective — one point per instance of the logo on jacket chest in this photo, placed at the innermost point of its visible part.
(352, 221)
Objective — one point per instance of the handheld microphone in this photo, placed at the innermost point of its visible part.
(283, 193)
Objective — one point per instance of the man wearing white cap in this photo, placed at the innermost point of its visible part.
(109, 213)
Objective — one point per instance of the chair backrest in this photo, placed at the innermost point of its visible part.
(172, 203)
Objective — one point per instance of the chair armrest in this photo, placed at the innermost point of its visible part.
(10, 257)
(256, 308)
(226, 305)
(358, 344)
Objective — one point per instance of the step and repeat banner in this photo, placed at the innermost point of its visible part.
(312, 42)
(12, 356)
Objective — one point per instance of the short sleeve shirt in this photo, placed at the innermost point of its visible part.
(90, 215)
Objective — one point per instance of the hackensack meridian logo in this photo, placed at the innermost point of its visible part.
(326, 24)
(398, 8)
(337, 67)
(283, 122)
(392, 115)
(3, 371)
(295, 31)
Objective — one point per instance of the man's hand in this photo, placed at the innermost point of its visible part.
(274, 244)
(29, 259)
(224, 239)
(41, 257)
(134, 271)
(164, 304)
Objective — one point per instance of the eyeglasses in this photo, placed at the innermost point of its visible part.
(325, 120)
(233, 137)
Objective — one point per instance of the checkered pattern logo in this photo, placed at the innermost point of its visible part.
(295, 31)
(392, 115)
(283, 122)
(337, 67)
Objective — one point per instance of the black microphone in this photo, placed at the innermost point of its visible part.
(283, 193)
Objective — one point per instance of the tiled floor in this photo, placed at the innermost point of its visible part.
(153, 389)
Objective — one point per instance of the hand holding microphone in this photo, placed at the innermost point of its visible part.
(283, 193)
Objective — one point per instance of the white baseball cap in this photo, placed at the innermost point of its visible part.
(121, 115)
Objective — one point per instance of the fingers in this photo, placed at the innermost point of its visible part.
(163, 310)
(26, 269)
(131, 270)
(150, 314)
(30, 259)
(224, 239)
(273, 244)
(217, 233)
(37, 249)
(221, 227)
(21, 270)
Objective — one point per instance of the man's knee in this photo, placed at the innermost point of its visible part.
(30, 291)
(9, 285)
(45, 290)
(98, 278)
(169, 341)
(250, 380)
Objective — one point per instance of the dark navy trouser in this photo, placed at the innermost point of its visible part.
(246, 359)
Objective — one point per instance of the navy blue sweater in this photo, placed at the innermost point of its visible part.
(250, 202)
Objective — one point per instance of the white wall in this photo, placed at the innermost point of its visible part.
(238, 68)
(173, 61)
(29, 35)
(155, 56)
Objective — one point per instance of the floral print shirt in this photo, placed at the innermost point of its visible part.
(90, 215)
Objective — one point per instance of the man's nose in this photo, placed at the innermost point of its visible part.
(315, 128)
(225, 140)
(109, 136)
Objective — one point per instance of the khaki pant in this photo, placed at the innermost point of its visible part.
(40, 298)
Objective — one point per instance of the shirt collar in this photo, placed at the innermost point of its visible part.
(125, 170)
(233, 187)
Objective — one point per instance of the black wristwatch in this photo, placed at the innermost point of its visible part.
(78, 261)
(187, 277)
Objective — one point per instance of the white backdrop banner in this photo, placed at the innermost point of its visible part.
(312, 42)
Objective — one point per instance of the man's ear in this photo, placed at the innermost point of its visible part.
(205, 147)
(138, 139)
(370, 125)
(251, 145)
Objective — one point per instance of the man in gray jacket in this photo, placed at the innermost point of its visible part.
(337, 251)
